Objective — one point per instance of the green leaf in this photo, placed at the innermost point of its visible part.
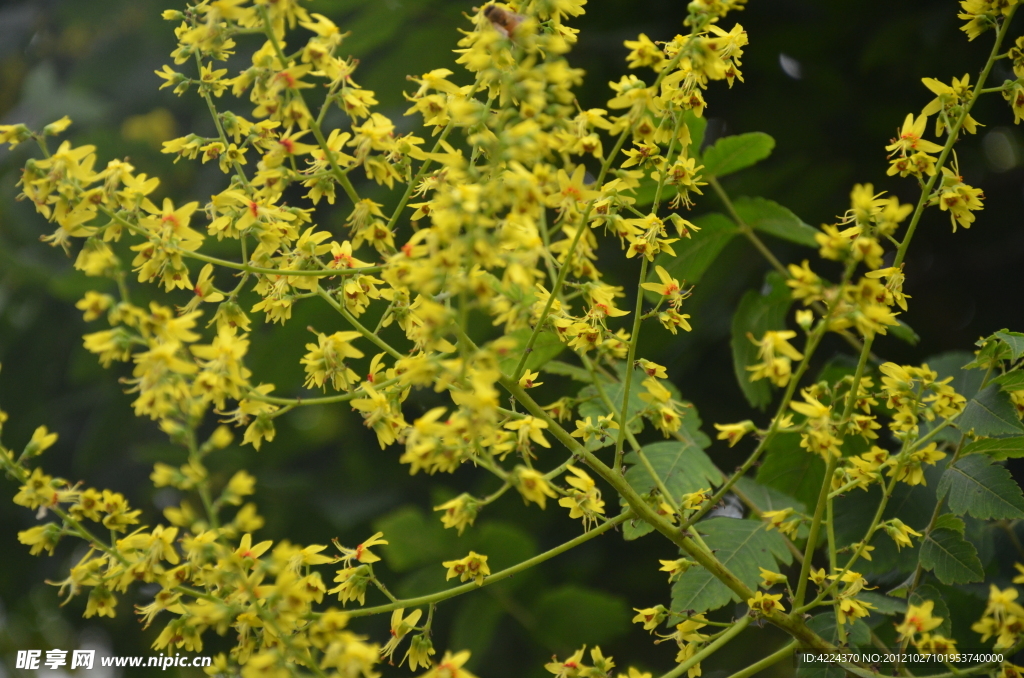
(883, 604)
(904, 332)
(766, 498)
(594, 406)
(731, 154)
(758, 312)
(941, 610)
(570, 616)
(951, 364)
(952, 559)
(545, 348)
(772, 218)
(636, 528)
(1013, 340)
(984, 490)
(912, 504)
(682, 466)
(996, 448)
(1011, 381)
(474, 627)
(947, 521)
(566, 370)
(743, 546)
(792, 470)
(990, 414)
(824, 624)
(698, 253)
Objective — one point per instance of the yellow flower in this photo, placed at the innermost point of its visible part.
(474, 566)
(734, 432)
(650, 617)
(766, 603)
(900, 533)
(770, 579)
(533, 486)
(675, 568)
(528, 380)
(459, 512)
(529, 428)
(918, 619)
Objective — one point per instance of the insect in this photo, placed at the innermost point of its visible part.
(503, 20)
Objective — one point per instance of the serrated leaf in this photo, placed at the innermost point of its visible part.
(1013, 340)
(912, 504)
(939, 610)
(743, 546)
(593, 405)
(883, 604)
(1011, 381)
(951, 558)
(951, 364)
(976, 486)
(996, 448)
(545, 348)
(768, 216)
(790, 469)
(696, 254)
(990, 414)
(572, 615)
(947, 521)
(904, 332)
(682, 466)
(758, 312)
(766, 498)
(636, 528)
(566, 370)
(824, 624)
(731, 154)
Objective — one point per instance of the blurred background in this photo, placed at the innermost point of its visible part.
(831, 82)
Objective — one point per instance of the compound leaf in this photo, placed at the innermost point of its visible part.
(984, 490)
(996, 448)
(953, 559)
(990, 414)
(743, 546)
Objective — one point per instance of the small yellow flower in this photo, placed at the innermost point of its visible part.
(770, 579)
(528, 380)
(474, 566)
(766, 603)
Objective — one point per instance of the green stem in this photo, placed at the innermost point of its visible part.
(497, 576)
(564, 270)
(321, 273)
(953, 134)
(314, 125)
(710, 649)
(359, 327)
(771, 660)
(826, 485)
(631, 356)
